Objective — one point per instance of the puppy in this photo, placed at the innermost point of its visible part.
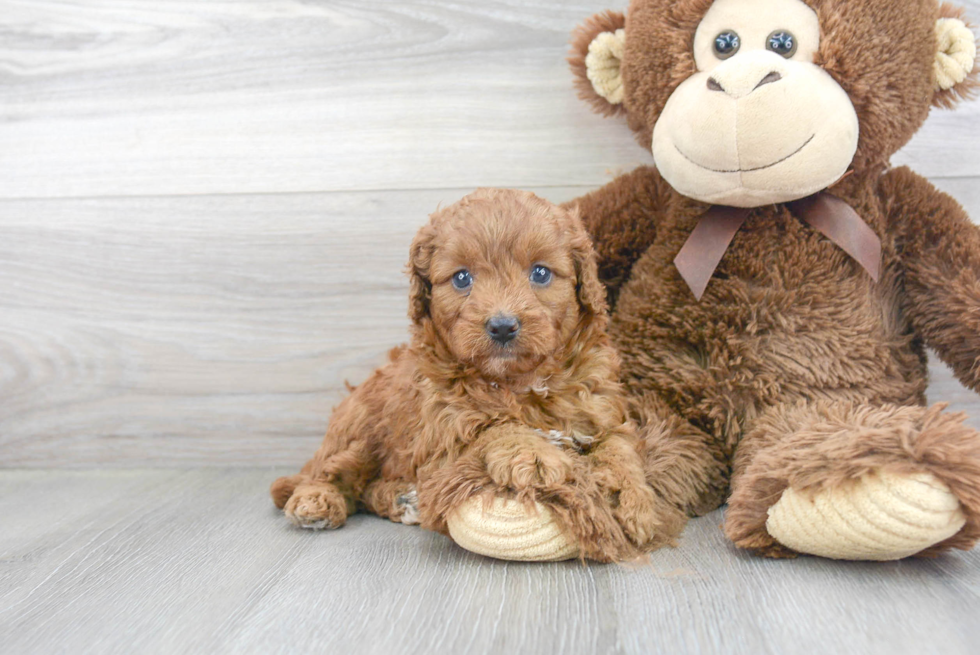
(509, 387)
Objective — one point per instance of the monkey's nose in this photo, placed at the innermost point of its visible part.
(502, 328)
(769, 79)
(772, 76)
(743, 83)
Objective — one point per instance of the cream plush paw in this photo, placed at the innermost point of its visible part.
(510, 530)
(882, 516)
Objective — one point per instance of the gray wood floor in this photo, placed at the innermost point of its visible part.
(177, 561)
(205, 208)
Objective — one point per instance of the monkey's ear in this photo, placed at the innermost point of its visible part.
(597, 52)
(420, 287)
(954, 69)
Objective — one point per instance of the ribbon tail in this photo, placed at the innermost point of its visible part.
(838, 221)
(704, 248)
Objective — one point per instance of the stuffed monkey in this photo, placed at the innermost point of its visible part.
(774, 283)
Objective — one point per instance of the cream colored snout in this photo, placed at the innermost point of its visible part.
(755, 129)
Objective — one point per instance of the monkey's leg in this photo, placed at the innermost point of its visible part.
(514, 495)
(855, 481)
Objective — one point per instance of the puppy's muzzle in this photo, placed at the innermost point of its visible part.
(503, 328)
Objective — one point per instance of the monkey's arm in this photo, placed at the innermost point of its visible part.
(622, 218)
(939, 250)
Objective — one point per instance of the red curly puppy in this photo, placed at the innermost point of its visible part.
(508, 388)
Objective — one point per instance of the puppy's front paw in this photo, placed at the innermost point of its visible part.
(527, 466)
(317, 507)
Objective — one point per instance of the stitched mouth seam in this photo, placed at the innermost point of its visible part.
(747, 170)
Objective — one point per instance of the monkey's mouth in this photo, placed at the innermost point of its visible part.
(746, 170)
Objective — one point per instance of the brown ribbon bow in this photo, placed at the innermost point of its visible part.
(829, 215)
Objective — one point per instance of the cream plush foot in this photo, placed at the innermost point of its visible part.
(882, 516)
(510, 530)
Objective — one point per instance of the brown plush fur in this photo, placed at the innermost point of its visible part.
(795, 368)
(455, 415)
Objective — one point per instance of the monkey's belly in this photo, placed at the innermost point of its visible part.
(787, 316)
(716, 364)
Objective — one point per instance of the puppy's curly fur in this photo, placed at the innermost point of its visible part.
(456, 414)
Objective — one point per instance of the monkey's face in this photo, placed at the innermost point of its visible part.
(759, 122)
(751, 102)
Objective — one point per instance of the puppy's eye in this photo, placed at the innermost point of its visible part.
(782, 43)
(540, 275)
(462, 279)
(726, 44)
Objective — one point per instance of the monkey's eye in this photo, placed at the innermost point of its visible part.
(462, 279)
(540, 275)
(781, 42)
(726, 44)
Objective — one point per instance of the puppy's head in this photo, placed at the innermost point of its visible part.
(506, 281)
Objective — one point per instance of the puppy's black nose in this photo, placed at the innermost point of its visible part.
(503, 327)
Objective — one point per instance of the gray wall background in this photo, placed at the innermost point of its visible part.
(205, 207)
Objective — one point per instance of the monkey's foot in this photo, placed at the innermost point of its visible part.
(881, 516)
(510, 530)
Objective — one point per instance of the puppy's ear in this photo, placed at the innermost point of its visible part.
(420, 287)
(955, 71)
(591, 293)
(596, 56)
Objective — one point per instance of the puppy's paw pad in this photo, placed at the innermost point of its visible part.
(881, 516)
(408, 504)
(312, 525)
(510, 530)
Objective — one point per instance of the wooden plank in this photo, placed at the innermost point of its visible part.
(199, 561)
(211, 330)
(128, 98)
